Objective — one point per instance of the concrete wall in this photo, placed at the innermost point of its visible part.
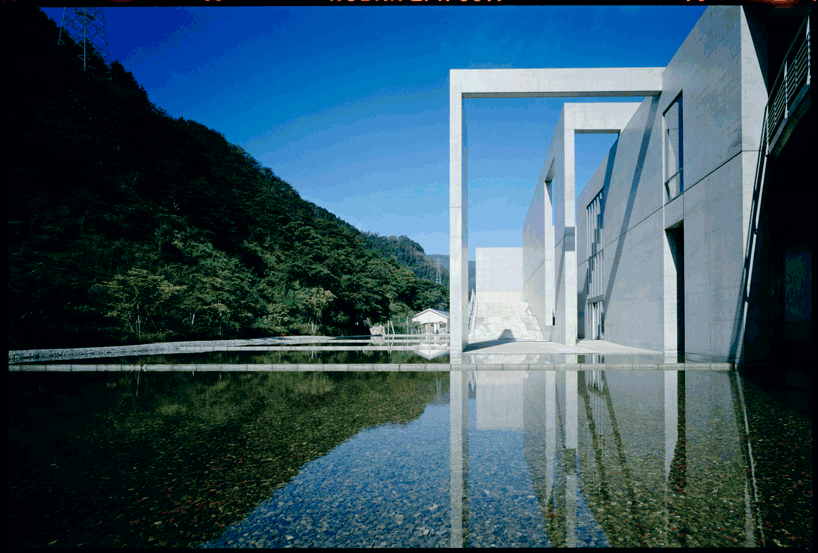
(553, 291)
(499, 274)
(631, 233)
(717, 73)
(538, 257)
(599, 180)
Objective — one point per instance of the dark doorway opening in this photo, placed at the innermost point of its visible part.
(675, 238)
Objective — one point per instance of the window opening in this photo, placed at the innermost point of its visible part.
(595, 212)
(673, 151)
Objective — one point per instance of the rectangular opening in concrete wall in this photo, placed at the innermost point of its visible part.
(672, 146)
(595, 320)
(590, 149)
(506, 140)
(549, 197)
(674, 285)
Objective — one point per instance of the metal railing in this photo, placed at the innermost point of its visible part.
(790, 84)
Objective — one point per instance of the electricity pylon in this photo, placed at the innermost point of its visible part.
(86, 26)
(438, 278)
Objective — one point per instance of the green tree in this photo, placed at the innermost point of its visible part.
(134, 300)
(224, 246)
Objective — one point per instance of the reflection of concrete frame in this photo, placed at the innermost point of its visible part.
(537, 83)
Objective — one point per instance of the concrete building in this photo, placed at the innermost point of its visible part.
(675, 242)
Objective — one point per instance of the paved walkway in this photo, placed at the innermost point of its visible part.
(583, 347)
(482, 356)
(413, 367)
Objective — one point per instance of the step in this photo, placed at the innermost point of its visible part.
(505, 320)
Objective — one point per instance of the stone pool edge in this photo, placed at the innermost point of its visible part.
(351, 367)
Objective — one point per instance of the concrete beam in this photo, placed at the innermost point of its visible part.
(545, 83)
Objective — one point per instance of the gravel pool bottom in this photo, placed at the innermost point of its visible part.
(538, 460)
(389, 486)
(417, 459)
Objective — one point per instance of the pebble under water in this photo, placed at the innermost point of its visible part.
(469, 458)
(670, 468)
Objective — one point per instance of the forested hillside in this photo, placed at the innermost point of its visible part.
(409, 254)
(127, 225)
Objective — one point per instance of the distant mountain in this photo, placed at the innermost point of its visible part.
(126, 225)
(409, 254)
(444, 261)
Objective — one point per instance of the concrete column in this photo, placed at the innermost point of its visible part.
(458, 222)
(571, 441)
(566, 251)
(458, 452)
(550, 284)
(671, 417)
(550, 432)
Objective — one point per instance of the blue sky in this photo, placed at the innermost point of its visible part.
(351, 106)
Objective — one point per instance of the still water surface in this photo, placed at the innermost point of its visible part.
(507, 458)
(534, 460)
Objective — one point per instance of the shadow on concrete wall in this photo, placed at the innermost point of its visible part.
(637, 177)
(583, 294)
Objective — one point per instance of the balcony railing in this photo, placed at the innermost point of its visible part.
(791, 84)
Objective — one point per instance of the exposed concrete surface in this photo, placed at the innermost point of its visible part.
(278, 342)
(519, 83)
(583, 347)
(440, 367)
(494, 320)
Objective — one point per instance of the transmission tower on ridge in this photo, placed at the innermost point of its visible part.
(438, 279)
(86, 26)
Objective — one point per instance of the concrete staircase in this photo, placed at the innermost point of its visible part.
(505, 321)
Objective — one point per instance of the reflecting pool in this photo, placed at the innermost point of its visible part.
(489, 458)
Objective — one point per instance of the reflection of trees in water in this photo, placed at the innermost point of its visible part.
(231, 436)
(271, 357)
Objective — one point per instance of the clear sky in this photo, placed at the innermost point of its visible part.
(350, 105)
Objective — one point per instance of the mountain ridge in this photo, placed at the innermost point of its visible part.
(129, 226)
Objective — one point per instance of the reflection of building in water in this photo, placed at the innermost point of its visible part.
(625, 458)
(500, 399)
(654, 458)
(431, 351)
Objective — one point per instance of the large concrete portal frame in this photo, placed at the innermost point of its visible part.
(514, 83)
(554, 290)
